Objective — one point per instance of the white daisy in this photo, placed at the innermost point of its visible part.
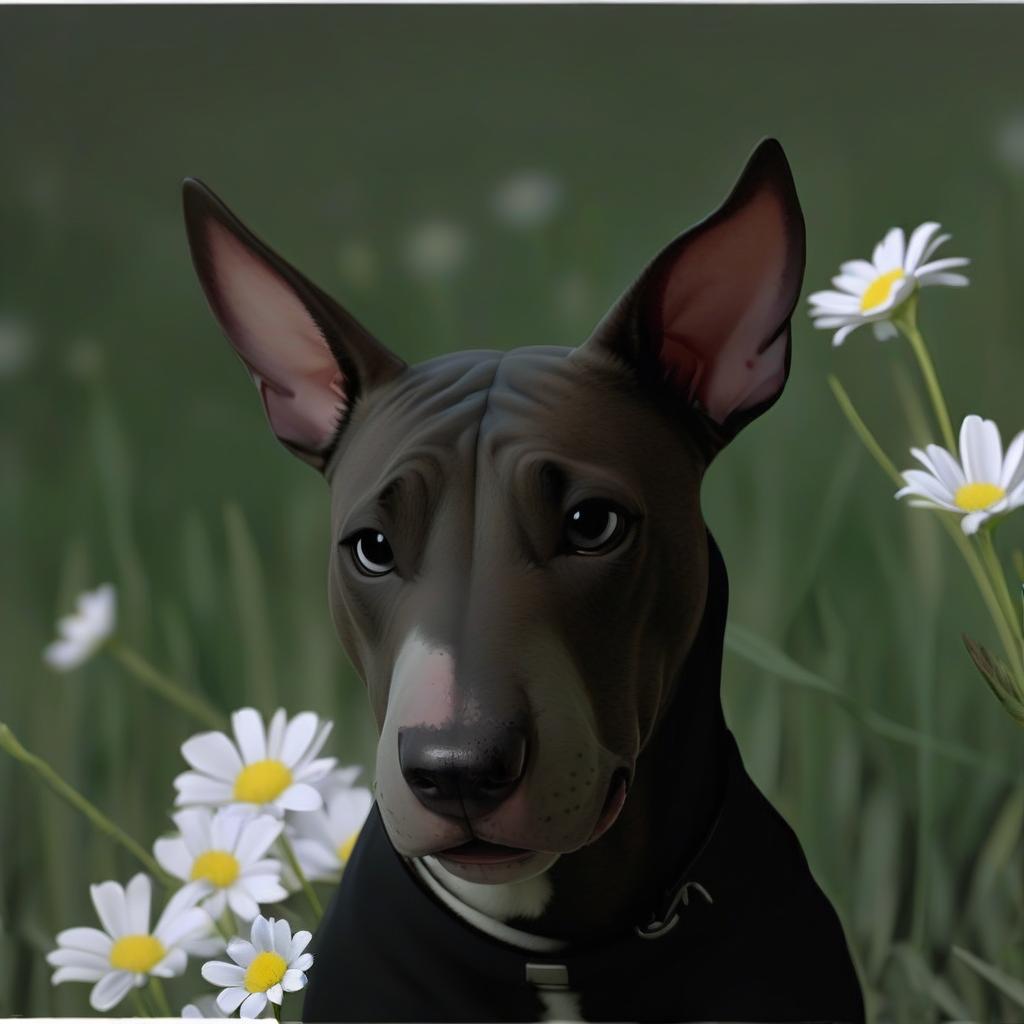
(220, 856)
(324, 839)
(527, 200)
(984, 483)
(127, 952)
(86, 630)
(263, 970)
(206, 1008)
(264, 769)
(872, 292)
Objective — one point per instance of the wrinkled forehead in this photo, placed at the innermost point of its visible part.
(458, 416)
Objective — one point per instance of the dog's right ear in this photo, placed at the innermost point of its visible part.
(309, 358)
(707, 322)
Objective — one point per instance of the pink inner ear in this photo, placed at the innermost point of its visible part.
(724, 298)
(302, 387)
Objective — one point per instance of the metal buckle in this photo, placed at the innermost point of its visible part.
(656, 928)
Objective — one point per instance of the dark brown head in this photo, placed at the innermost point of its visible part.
(518, 560)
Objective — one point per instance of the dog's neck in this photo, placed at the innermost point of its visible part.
(620, 880)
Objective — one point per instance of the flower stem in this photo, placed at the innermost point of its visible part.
(293, 861)
(160, 997)
(165, 687)
(907, 323)
(140, 1004)
(862, 431)
(9, 742)
(995, 609)
(991, 560)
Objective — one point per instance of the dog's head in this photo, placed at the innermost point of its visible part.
(518, 561)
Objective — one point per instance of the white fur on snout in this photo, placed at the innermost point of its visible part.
(423, 682)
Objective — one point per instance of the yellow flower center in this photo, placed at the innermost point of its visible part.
(262, 781)
(137, 953)
(878, 291)
(216, 866)
(265, 971)
(975, 497)
(345, 848)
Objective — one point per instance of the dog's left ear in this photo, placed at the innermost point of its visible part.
(310, 359)
(708, 319)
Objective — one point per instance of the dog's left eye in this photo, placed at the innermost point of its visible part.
(372, 553)
(594, 525)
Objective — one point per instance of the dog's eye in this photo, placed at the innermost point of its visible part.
(594, 525)
(372, 553)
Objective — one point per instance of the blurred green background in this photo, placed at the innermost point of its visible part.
(133, 449)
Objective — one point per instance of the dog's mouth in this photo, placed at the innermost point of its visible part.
(479, 851)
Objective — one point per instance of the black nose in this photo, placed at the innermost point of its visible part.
(464, 772)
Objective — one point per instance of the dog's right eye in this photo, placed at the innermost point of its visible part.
(372, 553)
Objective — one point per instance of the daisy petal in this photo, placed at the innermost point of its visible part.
(300, 797)
(173, 965)
(242, 903)
(841, 335)
(835, 302)
(230, 999)
(282, 937)
(79, 958)
(63, 974)
(946, 469)
(927, 486)
(194, 788)
(950, 280)
(947, 264)
(981, 450)
(247, 724)
(138, 894)
(849, 283)
(173, 856)
(293, 981)
(1013, 471)
(108, 899)
(275, 734)
(194, 825)
(257, 837)
(970, 523)
(110, 990)
(213, 754)
(919, 239)
(253, 1006)
(300, 940)
(242, 952)
(191, 924)
(298, 735)
(934, 244)
(304, 962)
(316, 746)
(861, 269)
(315, 770)
(216, 972)
(834, 321)
(90, 940)
(262, 934)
